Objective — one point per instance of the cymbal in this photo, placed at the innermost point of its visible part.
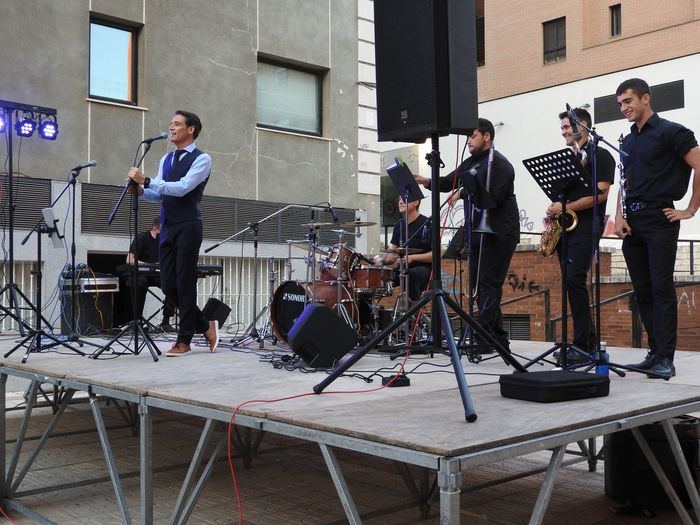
(402, 251)
(320, 224)
(303, 245)
(355, 224)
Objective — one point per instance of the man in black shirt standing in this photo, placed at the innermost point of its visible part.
(579, 241)
(144, 249)
(660, 157)
(490, 253)
(419, 238)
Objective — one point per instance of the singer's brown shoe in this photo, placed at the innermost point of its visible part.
(178, 350)
(212, 335)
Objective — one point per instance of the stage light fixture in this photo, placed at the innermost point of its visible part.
(25, 127)
(48, 129)
(3, 122)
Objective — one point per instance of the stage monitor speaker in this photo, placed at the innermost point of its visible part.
(320, 337)
(216, 310)
(425, 68)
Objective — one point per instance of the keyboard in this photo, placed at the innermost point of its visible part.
(203, 270)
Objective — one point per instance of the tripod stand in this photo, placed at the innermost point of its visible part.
(440, 301)
(33, 341)
(137, 324)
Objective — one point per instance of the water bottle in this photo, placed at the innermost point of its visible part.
(601, 367)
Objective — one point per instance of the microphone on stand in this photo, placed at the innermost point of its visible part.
(162, 135)
(572, 121)
(80, 167)
(332, 212)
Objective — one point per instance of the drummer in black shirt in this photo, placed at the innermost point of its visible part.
(661, 156)
(144, 249)
(419, 237)
(579, 241)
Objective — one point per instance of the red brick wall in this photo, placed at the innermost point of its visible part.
(530, 272)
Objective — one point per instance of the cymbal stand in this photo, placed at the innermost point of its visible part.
(266, 331)
(340, 280)
(400, 307)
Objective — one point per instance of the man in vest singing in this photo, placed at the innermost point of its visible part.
(179, 185)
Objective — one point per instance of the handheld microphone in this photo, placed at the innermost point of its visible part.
(162, 135)
(332, 212)
(83, 166)
(572, 121)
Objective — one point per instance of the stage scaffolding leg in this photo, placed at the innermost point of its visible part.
(111, 465)
(661, 475)
(22, 433)
(450, 483)
(682, 466)
(197, 492)
(340, 485)
(194, 466)
(146, 462)
(547, 485)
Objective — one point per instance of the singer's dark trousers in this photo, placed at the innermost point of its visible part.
(179, 251)
(650, 253)
(496, 252)
(579, 257)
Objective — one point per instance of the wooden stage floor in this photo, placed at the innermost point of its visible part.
(420, 425)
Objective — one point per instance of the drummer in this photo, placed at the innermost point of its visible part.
(419, 238)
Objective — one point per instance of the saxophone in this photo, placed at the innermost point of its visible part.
(550, 237)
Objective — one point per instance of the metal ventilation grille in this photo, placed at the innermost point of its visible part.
(221, 216)
(30, 196)
(517, 326)
(98, 201)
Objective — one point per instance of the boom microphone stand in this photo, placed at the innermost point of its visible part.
(440, 301)
(136, 325)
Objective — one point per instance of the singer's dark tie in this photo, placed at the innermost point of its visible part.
(176, 157)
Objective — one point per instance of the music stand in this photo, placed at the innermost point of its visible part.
(554, 172)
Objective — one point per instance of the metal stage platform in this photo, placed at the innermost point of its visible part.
(422, 425)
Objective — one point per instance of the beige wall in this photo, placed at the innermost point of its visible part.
(652, 31)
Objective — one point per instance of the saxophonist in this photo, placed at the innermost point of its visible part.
(490, 252)
(579, 241)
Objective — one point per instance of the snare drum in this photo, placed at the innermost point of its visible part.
(291, 297)
(376, 280)
(339, 263)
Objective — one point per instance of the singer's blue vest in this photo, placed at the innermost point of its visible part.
(185, 208)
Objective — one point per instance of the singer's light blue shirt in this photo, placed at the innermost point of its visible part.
(198, 173)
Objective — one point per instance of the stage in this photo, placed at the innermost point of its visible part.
(422, 425)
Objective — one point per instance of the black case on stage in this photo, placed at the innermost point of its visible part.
(551, 386)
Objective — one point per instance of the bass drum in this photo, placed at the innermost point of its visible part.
(291, 297)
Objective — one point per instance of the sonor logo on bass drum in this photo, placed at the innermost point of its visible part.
(296, 297)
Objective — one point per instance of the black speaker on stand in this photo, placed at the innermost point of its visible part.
(425, 67)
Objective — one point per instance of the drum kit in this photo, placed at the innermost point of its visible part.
(348, 282)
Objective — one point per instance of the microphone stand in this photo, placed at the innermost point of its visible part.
(136, 325)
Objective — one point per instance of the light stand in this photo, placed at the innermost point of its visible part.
(440, 301)
(12, 310)
(136, 325)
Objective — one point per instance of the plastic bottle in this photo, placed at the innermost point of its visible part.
(601, 367)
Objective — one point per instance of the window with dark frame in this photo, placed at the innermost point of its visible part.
(480, 35)
(616, 20)
(113, 61)
(288, 98)
(554, 34)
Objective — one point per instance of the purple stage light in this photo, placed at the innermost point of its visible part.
(3, 123)
(25, 127)
(48, 130)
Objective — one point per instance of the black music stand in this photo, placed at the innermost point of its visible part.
(554, 172)
(440, 301)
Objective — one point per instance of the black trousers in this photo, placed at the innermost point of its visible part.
(143, 282)
(496, 252)
(650, 253)
(179, 251)
(579, 257)
(418, 277)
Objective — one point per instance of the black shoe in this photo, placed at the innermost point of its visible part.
(646, 364)
(576, 357)
(662, 369)
(167, 327)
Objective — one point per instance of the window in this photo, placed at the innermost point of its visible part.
(112, 61)
(554, 40)
(288, 98)
(480, 36)
(616, 20)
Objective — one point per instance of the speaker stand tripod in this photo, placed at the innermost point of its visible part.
(441, 319)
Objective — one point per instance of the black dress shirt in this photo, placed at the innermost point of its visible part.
(145, 247)
(655, 169)
(419, 235)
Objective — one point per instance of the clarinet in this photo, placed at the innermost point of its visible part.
(623, 181)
